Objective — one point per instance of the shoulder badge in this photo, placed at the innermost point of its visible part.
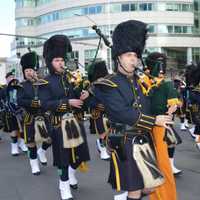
(107, 81)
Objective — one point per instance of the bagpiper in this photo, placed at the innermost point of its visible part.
(36, 124)
(193, 84)
(13, 114)
(128, 111)
(99, 70)
(69, 142)
(164, 100)
(181, 112)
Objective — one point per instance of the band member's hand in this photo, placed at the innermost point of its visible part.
(77, 103)
(180, 105)
(84, 95)
(35, 103)
(172, 109)
(164, 120)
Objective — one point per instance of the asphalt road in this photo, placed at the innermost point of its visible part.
(17, 182)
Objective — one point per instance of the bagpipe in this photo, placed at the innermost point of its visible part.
(75, 77)
(145, 80)
(10, 105)
(40, 119)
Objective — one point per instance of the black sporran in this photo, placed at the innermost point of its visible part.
(116, 143)
(172, 138)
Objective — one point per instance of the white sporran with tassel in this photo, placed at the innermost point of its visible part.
(146, 162)
(71, 131)
(41, 133)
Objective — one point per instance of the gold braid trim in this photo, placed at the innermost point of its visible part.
(95, 114)
(173, 101)
(145, 122)
(114, 158)
(73, 156)
(104, 81)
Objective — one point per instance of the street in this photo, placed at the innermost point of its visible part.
(17, 182)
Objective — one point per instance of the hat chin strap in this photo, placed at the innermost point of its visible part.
(123, 67)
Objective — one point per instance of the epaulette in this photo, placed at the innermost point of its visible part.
(107, 80)
(41, 82)
(196, 89)
(14, 84)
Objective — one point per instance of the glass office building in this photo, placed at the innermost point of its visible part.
(173, 25)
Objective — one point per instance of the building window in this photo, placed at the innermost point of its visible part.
(25, 3)
(186, 7)
(115, 8)
(161, 6)
(185, 29)
(177, 29)
(73, 55)
(170, 29)
(85, 11)
(145, 6)
(162, 28)
(19, 3)
(196, 54)
(196, 23)
(133, 7)
(125, 7)
(91, 11)
(29, 3)
(55, 16)
(98, 9)
(151, 29)
(196, 6)
(23, 22)
(189, 29)
(41, 2)
(169, 7)
(90, 54)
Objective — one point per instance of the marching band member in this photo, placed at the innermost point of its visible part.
(192, 81)
(128, 111)
(36, 125)
(70, 149)
(164, 100)
(96, 71)
(13, 114)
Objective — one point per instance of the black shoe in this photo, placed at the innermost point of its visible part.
(36, 174)
(74, 187)
(44, 163)
(15, 155)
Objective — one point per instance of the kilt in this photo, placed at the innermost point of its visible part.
(129, 174)
(63, 157)
(29, 129)
(10, 122)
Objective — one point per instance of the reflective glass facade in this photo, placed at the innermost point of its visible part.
(196, 17)
(87, 32)
(105, 8)
(196, 54)
(31, 3)
(25, 3)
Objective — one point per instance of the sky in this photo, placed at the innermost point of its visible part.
(7, 25)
